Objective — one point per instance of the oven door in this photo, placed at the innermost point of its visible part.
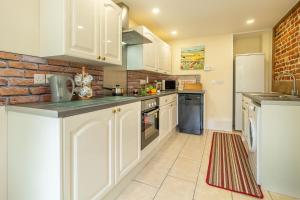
(150, 127)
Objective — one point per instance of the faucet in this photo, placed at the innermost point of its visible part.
(294, 91)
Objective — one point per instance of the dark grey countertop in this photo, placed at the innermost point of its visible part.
(71, 108)
(272, 98)
(191, 91)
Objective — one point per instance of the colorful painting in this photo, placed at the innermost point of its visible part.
(192, 58)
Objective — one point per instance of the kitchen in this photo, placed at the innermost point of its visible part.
(136, 98)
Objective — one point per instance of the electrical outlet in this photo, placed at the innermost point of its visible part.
(39, 79)
(48, 76)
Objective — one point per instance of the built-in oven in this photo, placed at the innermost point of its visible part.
(150, 121)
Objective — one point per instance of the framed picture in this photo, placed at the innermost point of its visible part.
(192, 58)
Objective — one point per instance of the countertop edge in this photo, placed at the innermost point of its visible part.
(63, 114)
(271, 101)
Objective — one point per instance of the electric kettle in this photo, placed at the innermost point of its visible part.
(59, 88)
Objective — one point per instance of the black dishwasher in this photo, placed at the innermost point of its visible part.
(190, 113)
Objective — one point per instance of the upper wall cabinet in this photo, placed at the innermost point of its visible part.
(155, 56)
(81, 31)
(164, 57)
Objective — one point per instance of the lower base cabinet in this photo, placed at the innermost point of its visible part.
(128, 139)
(164, 121)
(81, 157)
(167, 116)
(89, 146)
(101, 148)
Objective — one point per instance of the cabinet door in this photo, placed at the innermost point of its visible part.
(164, 121)
(173, 107)
(128, 137)
(149, 52)
(164, 58)
(82, 29)
(112, 33)
(89, 155)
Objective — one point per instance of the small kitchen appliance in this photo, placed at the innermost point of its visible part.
(169, 84)
(117, 91)
(59, 88)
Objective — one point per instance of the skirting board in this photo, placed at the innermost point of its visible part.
(126, 180)
(3, 153)
(219, 124)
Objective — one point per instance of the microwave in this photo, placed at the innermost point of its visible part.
(169, 84)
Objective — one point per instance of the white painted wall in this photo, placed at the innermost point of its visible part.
(19, 26)
(3, 154)
(218, 82)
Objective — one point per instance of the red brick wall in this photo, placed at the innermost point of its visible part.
(286, 49)
(17, 71)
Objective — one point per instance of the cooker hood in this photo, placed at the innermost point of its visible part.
(130, 36)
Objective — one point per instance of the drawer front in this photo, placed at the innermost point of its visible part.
(167, 99)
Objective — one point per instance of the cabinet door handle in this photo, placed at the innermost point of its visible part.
(99, 58)
(103, 58)
(119, 110)
(114, 110)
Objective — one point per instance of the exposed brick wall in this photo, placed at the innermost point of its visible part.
(134, 77)
(286, 50)
(17, 71)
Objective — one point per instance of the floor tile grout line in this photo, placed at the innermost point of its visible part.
(145, 184)
(206, 135)
(270, 195)
(181, 179)
(170, 168)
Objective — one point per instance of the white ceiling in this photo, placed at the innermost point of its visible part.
(192, 18)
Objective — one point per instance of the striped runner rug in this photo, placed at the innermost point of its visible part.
(228, 166)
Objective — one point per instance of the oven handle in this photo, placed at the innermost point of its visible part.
(152, 112)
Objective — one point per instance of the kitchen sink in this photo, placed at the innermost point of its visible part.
(279, 96)
(288, 97)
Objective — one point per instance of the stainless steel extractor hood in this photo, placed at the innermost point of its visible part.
(130, 36)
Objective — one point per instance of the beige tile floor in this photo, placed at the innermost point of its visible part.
(178, 172)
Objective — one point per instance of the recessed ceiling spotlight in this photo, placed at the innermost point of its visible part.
(174, 32)
(155, 11)
(250, 21)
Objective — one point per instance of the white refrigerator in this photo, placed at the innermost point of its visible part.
(249, 77)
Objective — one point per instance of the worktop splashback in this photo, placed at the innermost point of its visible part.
(17, 77)
(134, 77)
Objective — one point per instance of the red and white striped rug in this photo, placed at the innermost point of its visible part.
(229, 167)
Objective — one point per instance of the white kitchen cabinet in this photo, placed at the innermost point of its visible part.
(149, 51)
(80, 157)
(81, 31)
(128, 138)
(164, 58)
(164, 121)
(82, 28)
(173, 114)
(112, 33)
(155, 56)
(89, 143)
(167, 114)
